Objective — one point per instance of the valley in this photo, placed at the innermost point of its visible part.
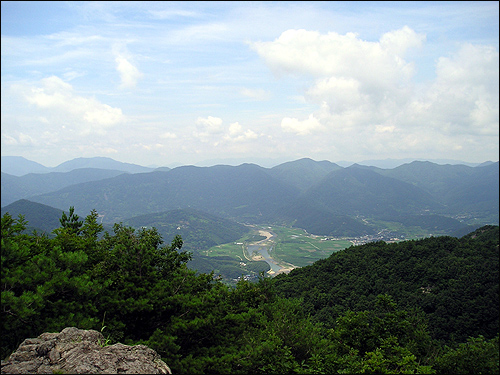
(286, 248)
(246, 219)
(282, 248)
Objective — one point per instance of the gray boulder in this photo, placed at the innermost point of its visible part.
(77, 351)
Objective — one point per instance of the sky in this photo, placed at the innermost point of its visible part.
(178, 83)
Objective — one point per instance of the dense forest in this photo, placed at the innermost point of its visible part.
(421, 306)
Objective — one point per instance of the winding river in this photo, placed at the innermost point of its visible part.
(262, 251)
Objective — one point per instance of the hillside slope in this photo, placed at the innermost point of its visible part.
(246, 192)
(303, 173)
(14, 188)
(454, 281)
(39, 216)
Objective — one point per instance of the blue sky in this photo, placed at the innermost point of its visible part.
(164, 83)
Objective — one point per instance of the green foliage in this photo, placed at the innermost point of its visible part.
(382, 340)
(454, 281)
(476, 356)
(44, 287)
(72, 222)
(140, 291)
(199, 230)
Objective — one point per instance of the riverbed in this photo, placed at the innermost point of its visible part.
(262, 248)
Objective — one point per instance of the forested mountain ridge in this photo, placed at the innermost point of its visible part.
(321, 197)
(28, 185)
(39, 216)
(354, 191)
(303, 173)
(139, 291)
(454, 281)
(243, 192)
(198, 229)
(456, 186)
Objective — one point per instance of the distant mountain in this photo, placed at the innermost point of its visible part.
(459, 187)
(41, 217)
(434, 223)
(19, 166)
(393, 163)
(320, 197)
(263, 162)
(162, 169)
(246, 192)
(316, 219)
(100, 163)
(331, 207)
(14, 188)
(303, 173)
(360, 191)
(485, 164)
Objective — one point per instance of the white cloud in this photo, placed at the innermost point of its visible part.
(60, 104)
(235, 128)
(236, 134)
(211, 129)
(364, 91)
(399, 41)
(168, 135)
(169, 14)
(298, 127)
(129, 74)
(341, 93)
(210, 124)
(463, 100)
(207, 127)
(309, 52)
(21, 139)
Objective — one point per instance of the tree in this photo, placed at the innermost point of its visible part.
(71, 223)
(383, 340)
(476, 356)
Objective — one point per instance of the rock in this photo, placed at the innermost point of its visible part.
(77, 351)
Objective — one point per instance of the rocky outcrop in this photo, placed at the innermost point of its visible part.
(76, 351)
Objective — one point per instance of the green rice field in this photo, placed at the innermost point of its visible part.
(289, 245)
(297, 247)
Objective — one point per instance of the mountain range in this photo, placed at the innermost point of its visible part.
(319, 196)
(19, 166)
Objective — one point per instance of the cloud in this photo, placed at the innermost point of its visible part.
(210, 124)
(59, 102)
(367, 99)
(211, 129)
(207, 127)
(353, 80)
(236, 134)
(168, 135)
(332, 54)
(129, 74)
(298, 127)
(463, 100)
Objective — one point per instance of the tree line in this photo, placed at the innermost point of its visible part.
(136, 289)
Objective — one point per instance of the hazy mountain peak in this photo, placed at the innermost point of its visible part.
(102, 163)
(19, 166)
